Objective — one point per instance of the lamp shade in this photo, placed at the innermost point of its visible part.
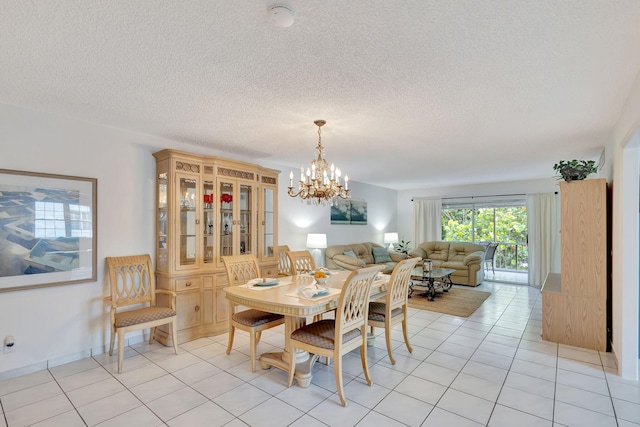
(391, 238)
(316, 241)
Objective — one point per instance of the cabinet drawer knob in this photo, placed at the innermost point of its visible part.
(187, 284)
(197, 308)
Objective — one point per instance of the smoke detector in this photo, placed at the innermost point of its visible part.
(281, 15)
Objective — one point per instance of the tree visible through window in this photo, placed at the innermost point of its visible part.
(491, 222)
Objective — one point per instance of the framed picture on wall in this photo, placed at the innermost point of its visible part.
(48, 229)
(341, 213)
(358, 213)
(349, 212)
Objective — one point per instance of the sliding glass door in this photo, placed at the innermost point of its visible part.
(500, 221)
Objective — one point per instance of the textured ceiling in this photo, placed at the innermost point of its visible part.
(418, 93)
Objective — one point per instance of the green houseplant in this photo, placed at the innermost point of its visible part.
(402, 247)
(575, 170)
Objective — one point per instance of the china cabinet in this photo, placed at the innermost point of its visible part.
(208, 207)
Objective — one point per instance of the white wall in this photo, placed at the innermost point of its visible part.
(625, 143)
(57, 324)
(62, 322)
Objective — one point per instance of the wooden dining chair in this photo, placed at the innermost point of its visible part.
(284, 265)
(133, 301)
(336, 337)
(301, 262)
(394, 309)
(240, 269)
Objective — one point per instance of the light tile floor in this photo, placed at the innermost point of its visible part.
(491, 369)
(507, 276)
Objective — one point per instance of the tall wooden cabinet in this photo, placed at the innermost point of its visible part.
(208, 207)
(574, 302)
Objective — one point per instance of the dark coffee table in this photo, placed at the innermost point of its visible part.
(437, 278)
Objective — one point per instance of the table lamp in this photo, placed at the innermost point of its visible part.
(390, 238)
(315, 242)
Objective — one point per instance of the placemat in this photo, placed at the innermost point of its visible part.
(332, 291)
(281, 282)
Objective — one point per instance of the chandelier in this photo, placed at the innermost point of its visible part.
(320, 184)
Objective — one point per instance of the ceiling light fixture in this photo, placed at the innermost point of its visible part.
(320, 185)
(281, 15)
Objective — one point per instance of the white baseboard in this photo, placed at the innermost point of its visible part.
(72, 357)
(24, 370)
(68, 358)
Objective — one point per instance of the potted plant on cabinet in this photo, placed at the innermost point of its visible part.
(575, 170)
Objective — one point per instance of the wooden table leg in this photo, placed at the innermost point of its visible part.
(304, 361)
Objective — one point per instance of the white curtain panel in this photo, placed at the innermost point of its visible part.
(427, 216)
(542, 224)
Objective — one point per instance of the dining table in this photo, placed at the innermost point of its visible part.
(285, 298)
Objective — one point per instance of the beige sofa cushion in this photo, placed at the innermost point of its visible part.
(349, 260)
(335, 258)
(459, 251)
(436, 251)
(458, 265)
(361, 250)
(397, 256)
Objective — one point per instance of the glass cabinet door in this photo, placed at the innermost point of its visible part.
(226, 218)
(162, 230)
(268, 222)
(245, 220)
(208, 221)
(188, 221)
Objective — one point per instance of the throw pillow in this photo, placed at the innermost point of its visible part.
(350, 253)
(381, 255)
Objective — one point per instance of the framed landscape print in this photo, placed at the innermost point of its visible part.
(358, 213)
(341, 213)
(48, 229)
(349, 212)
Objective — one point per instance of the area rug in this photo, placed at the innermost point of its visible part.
(457, 302)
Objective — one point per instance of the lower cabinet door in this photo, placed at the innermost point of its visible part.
(189, 308)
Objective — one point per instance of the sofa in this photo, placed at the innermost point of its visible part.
(465, 258)
(359, 255)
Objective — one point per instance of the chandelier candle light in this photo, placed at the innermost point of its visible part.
(321, 183)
